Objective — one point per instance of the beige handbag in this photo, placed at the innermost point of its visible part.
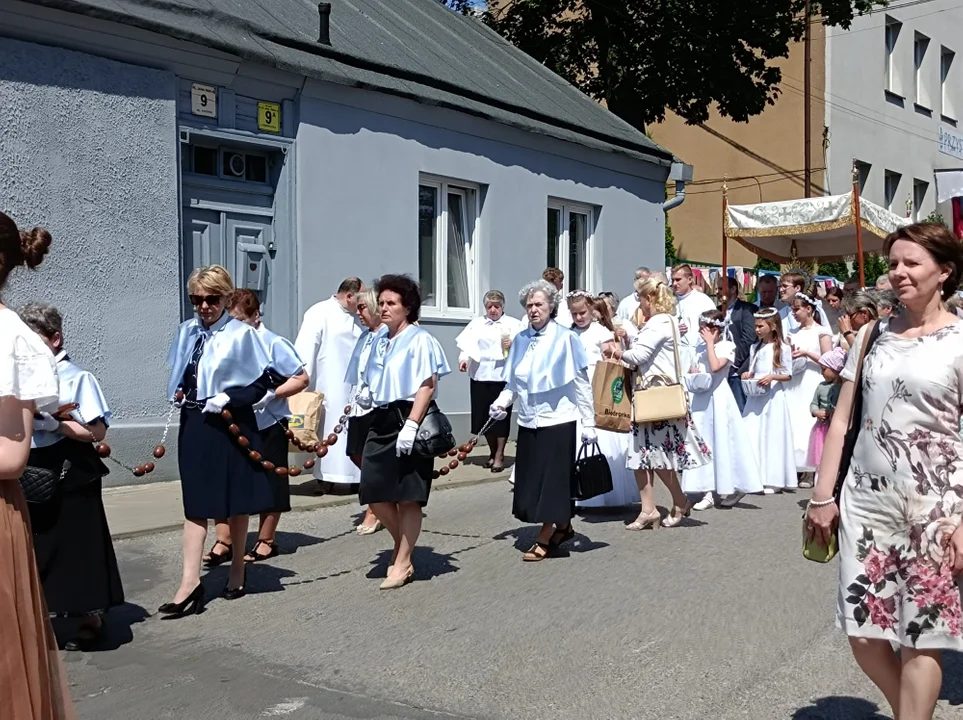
(657, 397)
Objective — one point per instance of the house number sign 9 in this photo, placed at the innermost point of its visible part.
(203, 100)
(269, 117)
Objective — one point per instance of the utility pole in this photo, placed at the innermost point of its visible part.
(807, 105)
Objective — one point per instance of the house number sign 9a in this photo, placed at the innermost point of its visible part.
(203, 100)
(269, 117)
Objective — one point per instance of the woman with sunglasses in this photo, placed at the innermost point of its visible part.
(217, 364)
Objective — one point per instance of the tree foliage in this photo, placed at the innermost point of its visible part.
(838, 270)
(873, 267)
(644, 57)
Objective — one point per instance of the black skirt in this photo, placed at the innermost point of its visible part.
(483, 394)
(385, 477)
(218, 479)
(75, 555)
(358, 426)
(544, 474)
(276, 451)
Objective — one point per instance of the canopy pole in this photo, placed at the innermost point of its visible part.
(724, 280)
(859, 227)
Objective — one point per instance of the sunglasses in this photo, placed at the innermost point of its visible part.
(211, 300)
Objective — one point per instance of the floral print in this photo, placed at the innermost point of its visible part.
(668, 445)
(903, 496)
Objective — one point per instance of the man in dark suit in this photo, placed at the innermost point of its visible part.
(742, 331)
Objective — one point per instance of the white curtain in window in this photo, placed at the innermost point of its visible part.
(458, 295)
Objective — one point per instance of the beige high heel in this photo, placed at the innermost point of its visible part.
(649, 521)
(678, 515)
(390, 584)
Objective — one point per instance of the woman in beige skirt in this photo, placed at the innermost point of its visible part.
(32, 682)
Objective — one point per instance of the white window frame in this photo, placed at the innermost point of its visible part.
(891, 33)
(947, 58)
(566, 208)
(921, 44)
(472, 197)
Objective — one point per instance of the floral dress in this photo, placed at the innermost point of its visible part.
(903, 495)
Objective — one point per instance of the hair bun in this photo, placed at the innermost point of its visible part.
(34, 244)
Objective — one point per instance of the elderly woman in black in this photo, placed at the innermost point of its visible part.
(402, 375)
(75, 554)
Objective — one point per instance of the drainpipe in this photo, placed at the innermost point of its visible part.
(682, 174)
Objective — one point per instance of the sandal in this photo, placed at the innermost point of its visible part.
(536, 553)
(561, 536)
(254, 556)
(213, 559)
(489, 463)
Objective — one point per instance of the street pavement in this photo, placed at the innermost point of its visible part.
(719, 618)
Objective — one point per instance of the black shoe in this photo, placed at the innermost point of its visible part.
(193, 604)
(87, 639)
(213, 559)
(238, 592)
(255, 556)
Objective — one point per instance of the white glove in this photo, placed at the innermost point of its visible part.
(263, 402)
(364, 400)
(497, 413)
(217, 403)
(589, 435)
(46, 422)
(406, 438)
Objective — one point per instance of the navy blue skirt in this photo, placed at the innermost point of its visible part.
(218, 478)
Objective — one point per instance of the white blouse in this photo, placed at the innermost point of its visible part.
(28, 370)
(480, 345)
(653, 348)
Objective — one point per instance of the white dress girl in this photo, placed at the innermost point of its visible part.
(806, 376)
(615, 446)
(767, 419)
(734, 467)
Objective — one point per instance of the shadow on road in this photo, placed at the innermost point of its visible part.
(952, 690)
(840, 708)
(525, 538)
(428, 563)
(260, 578)
(118, 627)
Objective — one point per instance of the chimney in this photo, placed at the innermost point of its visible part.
(324, 18)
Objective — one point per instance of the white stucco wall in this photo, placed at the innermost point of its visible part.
(865, 125)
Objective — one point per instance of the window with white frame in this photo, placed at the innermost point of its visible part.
(893, 27)
(922, 96)
(570, 243)
(919, 197)
(447, 226)
(890, 189)
(946, 101)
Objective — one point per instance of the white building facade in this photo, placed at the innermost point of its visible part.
(894, 104)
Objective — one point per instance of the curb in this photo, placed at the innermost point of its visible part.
(325, 501)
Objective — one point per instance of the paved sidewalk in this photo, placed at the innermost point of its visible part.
(156, 507)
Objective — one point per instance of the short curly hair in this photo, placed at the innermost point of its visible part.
(551, 293)
(406, 288)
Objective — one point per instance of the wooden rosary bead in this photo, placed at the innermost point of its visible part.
(294, 471)
(452, 452)
(332, 439)
(347, 409)
(254, 455)
(318, 446)
(466, 448)
(281, 470)
(268, 466)
(233, 429)
(179, 396)
(103, 449)
(159, 451)
(343, 419)
(322, 451)
(308, 464)
(139, 471)
(453, 464)
(226, 415)
(461, 456)
(443, 456)
(435, 474)
(338, 428)
(443, 470)
(148, 467)
(289, 434)
(243, 441)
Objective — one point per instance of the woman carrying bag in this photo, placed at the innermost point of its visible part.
(663, 447)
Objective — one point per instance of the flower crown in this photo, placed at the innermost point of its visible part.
(803, 296)
(579, 294)
(703, 320)
(765, 313)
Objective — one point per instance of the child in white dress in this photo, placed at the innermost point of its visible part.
(734, 470)
(767, 411)
(591, 322)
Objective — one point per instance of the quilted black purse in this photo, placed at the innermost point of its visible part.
(39, 484)
(593, 477)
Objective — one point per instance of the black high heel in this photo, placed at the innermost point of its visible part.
(238, 592)
(193, 604)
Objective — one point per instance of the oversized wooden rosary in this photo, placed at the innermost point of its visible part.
(320, 449)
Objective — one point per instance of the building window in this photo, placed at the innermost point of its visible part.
(946, 101)
(919, 197)
(571, 231)
(890, 189)
(920, 45)
(447, 225)
(893, 27)
(862, 175)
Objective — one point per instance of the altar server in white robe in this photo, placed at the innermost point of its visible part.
(690, 304)
(629, 306)
(328, 335)
(594, 328)
(789, 285)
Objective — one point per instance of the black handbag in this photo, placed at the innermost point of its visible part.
(39, 482)
(593, 477)
(435, 436)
